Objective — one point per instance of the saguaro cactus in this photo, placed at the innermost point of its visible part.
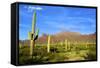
(61, 43)
(87, 44)
(69, 45)
(33, 35)
(48, 45)
(66, 44)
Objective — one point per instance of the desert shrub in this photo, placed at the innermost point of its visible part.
(91, 55)
(57, 53)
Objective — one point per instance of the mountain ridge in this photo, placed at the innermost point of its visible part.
(62, 36)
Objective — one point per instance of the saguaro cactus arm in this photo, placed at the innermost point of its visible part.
(29, 35)
(36, 36)
(37, 31)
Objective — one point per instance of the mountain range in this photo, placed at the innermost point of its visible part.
(61, 36)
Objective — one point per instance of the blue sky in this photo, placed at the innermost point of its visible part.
(52, 19)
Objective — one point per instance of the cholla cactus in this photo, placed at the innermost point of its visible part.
(33, 35)
(48, 45)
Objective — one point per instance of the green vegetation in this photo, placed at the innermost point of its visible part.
(58, 52)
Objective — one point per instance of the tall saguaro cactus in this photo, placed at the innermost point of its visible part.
(48, 45)
(33, 35)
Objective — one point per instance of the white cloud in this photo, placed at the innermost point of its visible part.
(31, 8)
(38, 8)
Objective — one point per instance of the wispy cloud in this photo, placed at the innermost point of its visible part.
(31, 8)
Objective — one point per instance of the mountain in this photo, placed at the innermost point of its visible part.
(62, 36)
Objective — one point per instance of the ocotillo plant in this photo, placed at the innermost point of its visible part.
(48, 45)
(33, 35)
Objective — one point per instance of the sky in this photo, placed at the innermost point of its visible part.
(54, 19)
